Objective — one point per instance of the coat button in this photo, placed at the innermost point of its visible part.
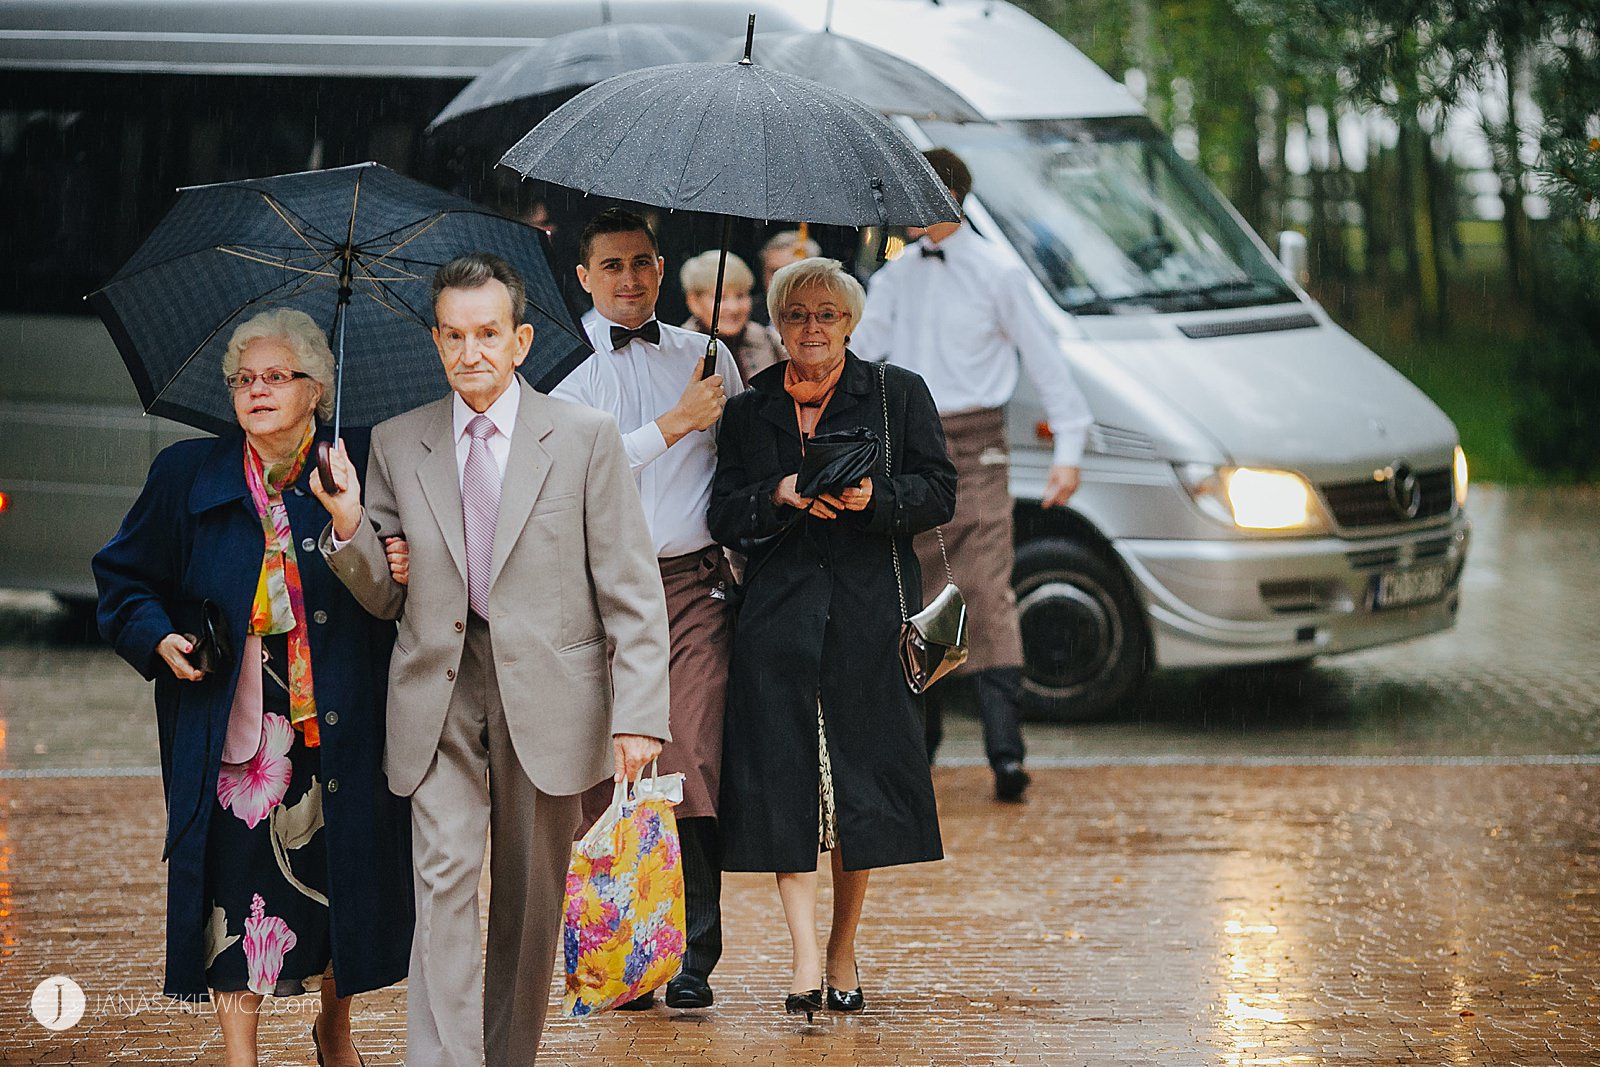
(459, 626)
(450, 674)
(332, 718)
(308, 545)
(319, 616)
(333, 785)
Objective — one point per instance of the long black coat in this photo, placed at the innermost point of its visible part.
(820, 616)
(193, 534)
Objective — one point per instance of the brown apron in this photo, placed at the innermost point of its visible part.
(979, 540)
(702, 643)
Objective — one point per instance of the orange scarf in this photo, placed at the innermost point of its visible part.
(810, 398)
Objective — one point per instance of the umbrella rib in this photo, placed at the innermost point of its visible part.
(258, 258)
(279, 211)
(688, 157)
(430, 225)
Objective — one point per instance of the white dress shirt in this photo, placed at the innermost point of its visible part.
(503, 413)
(637, 384)
(961, 322)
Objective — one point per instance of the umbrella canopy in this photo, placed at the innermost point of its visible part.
(880, 80)
(500, 104)
(735, 139)
(352, 246)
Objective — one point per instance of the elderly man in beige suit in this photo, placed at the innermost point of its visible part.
(526, 560)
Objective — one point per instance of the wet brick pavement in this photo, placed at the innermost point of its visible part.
(1171, 916)
(1389, 857)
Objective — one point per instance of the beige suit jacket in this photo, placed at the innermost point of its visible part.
(574, 571)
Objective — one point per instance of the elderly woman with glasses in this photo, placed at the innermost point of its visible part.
(822, 745)
(755, 347)
(288, 857)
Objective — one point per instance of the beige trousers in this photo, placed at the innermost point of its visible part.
(460, 1012)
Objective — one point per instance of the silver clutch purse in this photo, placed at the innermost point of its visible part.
(933, 642)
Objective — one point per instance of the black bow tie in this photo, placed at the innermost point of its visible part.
(621, 335)
(932, 253)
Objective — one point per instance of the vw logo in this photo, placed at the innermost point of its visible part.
(1405, 491)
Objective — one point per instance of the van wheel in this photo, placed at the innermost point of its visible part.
(1083, 631)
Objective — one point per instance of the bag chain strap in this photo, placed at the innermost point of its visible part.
(888, 472)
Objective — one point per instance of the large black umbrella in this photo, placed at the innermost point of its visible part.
(500, 104)
(735, 139)
(880, 80)
(353, 247)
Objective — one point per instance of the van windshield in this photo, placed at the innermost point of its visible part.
(1110, 218)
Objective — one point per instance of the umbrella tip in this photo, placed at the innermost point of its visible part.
(749, 39)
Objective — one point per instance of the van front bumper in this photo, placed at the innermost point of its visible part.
(1213, 603)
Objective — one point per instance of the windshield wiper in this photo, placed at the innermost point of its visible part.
(1215, 295)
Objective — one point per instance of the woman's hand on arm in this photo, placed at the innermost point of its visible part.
(398, 553)
(175, 649)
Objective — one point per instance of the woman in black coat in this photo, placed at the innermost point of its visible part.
(823, 746)
(289, 865)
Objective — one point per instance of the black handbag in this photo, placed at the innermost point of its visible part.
(836, 461)
(933, 642)
(206, 630)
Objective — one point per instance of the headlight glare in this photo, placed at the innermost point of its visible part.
(1461, 477)
(1251, 498)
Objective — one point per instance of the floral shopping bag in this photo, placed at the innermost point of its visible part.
(623, 921)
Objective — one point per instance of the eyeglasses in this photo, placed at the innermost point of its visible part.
(274, 377)
(799, 317)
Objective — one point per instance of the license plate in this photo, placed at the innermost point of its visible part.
(1398, 589)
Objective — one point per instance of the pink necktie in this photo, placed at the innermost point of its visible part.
(480, 508)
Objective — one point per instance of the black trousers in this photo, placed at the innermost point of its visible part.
(702, 891)
(998, 694)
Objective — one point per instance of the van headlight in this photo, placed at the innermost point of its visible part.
(1461, 477)
(1252, 498)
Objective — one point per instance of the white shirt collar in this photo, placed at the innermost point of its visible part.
(955, 241)
(503, 412)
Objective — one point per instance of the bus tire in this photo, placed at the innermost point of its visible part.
(1083, 631)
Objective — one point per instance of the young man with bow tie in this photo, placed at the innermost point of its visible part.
(646, 374)
(954, 309)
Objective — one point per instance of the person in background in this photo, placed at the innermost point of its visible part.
(646, 375)
(755, 347)
(782, 248)
(954, 309)
(823, 748)
(288, 858)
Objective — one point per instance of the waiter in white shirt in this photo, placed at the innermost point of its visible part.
(956, 311)
(646, 374)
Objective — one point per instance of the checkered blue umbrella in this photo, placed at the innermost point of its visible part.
(353, 247)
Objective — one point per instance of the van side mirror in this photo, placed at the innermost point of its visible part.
(1292, 254)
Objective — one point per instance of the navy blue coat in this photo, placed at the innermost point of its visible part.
(193, 535)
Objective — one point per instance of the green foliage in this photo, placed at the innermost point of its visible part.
(1558, 373)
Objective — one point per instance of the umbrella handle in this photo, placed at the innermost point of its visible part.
(325, 467)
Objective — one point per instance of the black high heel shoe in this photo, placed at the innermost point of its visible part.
(847, 999)
(808, 1002)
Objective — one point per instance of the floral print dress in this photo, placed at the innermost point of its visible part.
(266, 860)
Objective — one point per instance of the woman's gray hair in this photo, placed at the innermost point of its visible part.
(699, 275)
(303, 336)
(819, 271)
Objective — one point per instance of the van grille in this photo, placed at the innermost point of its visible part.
(1115, 441)
(1366, 503)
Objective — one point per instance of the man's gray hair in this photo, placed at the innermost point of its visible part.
(305, 339)
(788, 241)
(821, 272)
(699, 275)
(477, 269)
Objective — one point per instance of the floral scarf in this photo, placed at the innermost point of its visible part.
(280, 605)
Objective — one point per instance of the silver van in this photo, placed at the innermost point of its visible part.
(1259, 487)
